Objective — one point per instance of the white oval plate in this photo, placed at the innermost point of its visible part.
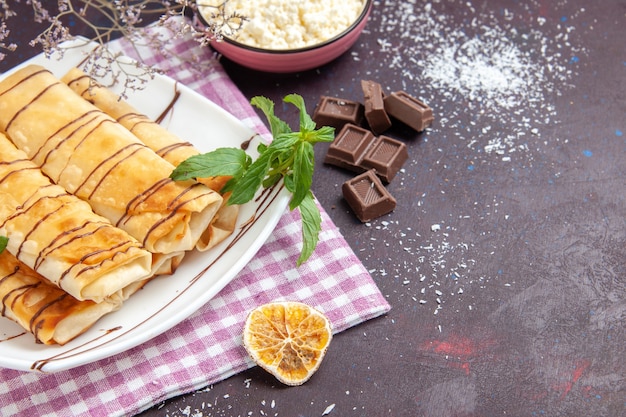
(167, 300)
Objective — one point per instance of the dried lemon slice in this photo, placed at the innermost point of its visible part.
(288, 339)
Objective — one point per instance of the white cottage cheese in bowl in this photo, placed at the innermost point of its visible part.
(289, 24)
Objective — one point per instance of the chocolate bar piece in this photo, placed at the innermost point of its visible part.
(375, 113)
(349, 146)
(358, 150)
(386, 156)
(367, 196)
(408, 110)
(336, 112)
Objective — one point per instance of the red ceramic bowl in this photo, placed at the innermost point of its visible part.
(294, 60)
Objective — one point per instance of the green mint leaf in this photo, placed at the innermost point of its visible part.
(272, 180)
(4, 241)
(311, 226)
(302, 173)
(245, 188)
(323, 134)
(220, 162)
(261, 148)
(290, 156)
(266, 105)
(283, 143)
(306, 123)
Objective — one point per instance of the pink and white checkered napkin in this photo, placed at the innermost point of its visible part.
(206, 347)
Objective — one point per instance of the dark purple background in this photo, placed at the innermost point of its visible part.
(528, 258)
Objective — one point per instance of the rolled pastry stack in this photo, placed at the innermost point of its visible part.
(59, 236)
(89, 209)
(87, 267)
(165, 143)
(49, 313)
(95, 158)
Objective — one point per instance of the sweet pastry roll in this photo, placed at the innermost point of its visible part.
(95, 158)
(166, 263)
(59, 236)
(49, 313)
(165, 143)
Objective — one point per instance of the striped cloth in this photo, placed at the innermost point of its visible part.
(206, 347)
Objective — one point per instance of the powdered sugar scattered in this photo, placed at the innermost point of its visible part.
(441, 264)
(485, 65)
(484, 69)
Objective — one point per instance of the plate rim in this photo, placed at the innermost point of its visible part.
(278, 202)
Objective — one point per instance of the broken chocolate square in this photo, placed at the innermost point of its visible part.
(408, 110)
(367, 196)
(386, 156)
(349, 146)
(375, 113)
(358, 150)
(336, 112)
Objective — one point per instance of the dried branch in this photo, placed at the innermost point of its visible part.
(105, 20)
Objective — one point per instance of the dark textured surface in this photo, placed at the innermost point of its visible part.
(505, 259)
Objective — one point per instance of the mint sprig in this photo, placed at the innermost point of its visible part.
(289, 156)
(3, 243)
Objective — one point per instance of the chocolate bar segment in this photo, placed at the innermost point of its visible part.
(349, 146)
(408, 110)
(375, 113)
(386, 156)
(336, 112)
(358, 150)
(367, 196)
